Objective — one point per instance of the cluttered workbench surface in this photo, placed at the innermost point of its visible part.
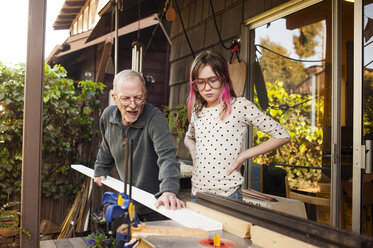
(215, 221)
(160, 241)
(227, 239)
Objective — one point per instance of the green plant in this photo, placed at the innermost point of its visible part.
(177, 119)
(68, 119)
(305, 147)
(100, 240)
(10, 219)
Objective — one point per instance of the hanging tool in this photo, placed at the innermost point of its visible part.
(171, 13)
(235, 48)
(237, 69)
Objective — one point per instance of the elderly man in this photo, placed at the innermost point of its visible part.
(155, 167)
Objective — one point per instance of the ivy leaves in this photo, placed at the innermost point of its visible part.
(68, 109)
(177, 119)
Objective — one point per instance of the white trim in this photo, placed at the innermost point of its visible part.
(279, 12)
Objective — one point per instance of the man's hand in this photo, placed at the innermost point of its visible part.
(170, 201)
(98, 180)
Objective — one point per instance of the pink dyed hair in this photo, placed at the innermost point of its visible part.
(191, 98)
(224, 99)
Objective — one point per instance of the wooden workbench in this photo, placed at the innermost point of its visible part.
(64, 243)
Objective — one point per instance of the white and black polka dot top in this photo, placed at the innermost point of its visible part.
(219, 142)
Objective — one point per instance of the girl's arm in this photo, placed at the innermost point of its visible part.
(262, 148)
(191, 146)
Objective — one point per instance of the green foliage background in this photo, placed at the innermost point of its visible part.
(68, 109)
(368, 103)
(305, 148)
(9, 219)
(177, 119)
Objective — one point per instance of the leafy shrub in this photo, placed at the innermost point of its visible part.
(292, 111)
(177, 119)
(68, 109)
(10, 219)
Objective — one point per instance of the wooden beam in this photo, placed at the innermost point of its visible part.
(306, 231)
(176, 231)
(67, 16)
(32, 124)
(263, 237)
(69, 10)
(310, 199)
(103, 61)
(74, 4)
(231, 224)
(145, 22)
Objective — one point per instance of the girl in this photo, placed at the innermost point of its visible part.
(218, 123)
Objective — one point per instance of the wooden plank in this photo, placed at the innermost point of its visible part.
(146, 230)
(231, 224)
(310, 199)
(33, 124)
(78, 242)
(257, 195)
(103, 61)
(183, 216)
(47, 244)
(63, 243)
(237, 71)
(262, 237)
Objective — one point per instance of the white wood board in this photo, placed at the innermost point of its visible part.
(183, 216)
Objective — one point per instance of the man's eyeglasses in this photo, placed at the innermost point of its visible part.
(125, 101)
(199, 84)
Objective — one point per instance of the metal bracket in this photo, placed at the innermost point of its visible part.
(359, 157)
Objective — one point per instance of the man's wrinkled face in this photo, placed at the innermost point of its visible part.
(130, 98)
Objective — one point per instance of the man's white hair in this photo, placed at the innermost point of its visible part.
(127, 74)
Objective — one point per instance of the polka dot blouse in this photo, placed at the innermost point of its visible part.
(219, 142)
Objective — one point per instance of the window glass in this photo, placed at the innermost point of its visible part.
(291, 73)
(290, 57)
(368, 70)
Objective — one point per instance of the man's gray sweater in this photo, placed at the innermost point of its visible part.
(155, 166)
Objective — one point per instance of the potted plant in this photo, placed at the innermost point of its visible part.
(100, 240)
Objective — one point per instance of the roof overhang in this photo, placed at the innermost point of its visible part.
(78, 42)
(68, 13)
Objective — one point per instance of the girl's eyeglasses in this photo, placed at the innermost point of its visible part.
(199, 84)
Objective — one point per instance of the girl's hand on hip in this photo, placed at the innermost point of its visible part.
(237, 164)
